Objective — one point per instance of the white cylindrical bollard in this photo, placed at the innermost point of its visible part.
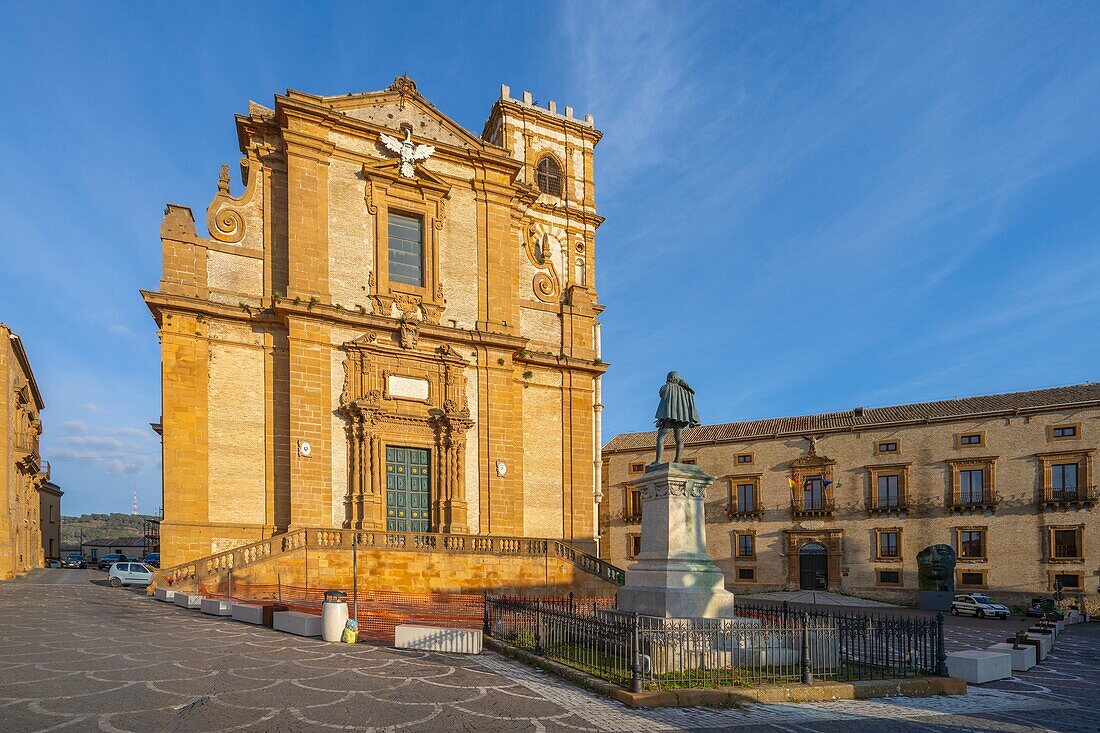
(334, 615)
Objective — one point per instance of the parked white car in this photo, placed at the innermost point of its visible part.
(129, 573)
(978, 605)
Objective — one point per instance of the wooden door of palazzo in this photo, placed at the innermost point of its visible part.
(408, 490)
(813, 566)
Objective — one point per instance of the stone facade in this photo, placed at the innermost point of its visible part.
(20, 430)
(292, 360)
(850, 509)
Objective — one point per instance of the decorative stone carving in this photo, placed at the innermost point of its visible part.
(223, 216)
(407, 304)
(539, 244)
(376, 416)
(408, 333)
(409, 152)
(404, 86)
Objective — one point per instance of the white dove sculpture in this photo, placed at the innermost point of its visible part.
(409, 152)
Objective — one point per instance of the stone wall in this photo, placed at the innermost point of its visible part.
(422, 572)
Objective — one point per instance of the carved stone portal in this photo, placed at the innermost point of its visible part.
(377, 416)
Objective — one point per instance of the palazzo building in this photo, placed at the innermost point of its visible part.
(392, 326)
(845, 501)
(20, 429)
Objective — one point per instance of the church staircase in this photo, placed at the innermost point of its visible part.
(312, 558)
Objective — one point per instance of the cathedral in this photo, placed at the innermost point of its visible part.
(391, 324)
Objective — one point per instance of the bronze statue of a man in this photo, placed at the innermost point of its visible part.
(676, 411)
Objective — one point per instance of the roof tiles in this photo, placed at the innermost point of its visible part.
(873, 416)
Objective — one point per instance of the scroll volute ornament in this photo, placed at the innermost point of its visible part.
(538, 244)
(223, 216)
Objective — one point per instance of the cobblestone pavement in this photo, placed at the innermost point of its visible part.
(77, 656)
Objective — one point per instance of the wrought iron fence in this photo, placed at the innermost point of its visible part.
(763, 645)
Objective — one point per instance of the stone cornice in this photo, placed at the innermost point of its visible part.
(559, 362)
(484, 155)
(275, 313)
(25, 365)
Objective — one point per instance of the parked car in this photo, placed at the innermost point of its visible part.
(107, 561)
(53, 563)
(978, 605)
(129, 573)
(152, 558)
(74, 561)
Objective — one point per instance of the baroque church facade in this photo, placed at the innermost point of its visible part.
(393, 326)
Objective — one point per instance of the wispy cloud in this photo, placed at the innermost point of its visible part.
(117, 329)
(112, 451)
(93, 407)
(631, 64)
(74, 426)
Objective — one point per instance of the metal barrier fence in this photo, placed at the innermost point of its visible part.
(765, 645)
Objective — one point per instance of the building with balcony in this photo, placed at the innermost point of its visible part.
(845, 501)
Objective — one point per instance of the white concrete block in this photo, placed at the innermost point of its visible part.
(1060, 626)
(165, 594)
(977, 666)
(1023, 658)
(296, 622)
(1046, 643)
(216, 607)
(188, 600)
(435, 639)
(248, 613)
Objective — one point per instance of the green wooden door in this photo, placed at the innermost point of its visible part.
(408, 490)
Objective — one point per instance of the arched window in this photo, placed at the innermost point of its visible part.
(548, 176)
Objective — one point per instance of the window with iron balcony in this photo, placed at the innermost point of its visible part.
(972, 484)
(814, 498)
(1067, 480)
(888, 489)
(632, 505)
(744, 498)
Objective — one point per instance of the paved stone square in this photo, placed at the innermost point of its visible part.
(76, 655)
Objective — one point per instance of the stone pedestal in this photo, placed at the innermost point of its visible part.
(674, 576)
(934, 600)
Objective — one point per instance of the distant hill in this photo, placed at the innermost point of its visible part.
(100, 527)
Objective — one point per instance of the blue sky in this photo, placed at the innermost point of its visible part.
(809, 206)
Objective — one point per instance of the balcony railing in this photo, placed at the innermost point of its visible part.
(754, 512)
(822, 507)
(632, 517)
(1068, 497)
(965, 501)
(875, 505)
